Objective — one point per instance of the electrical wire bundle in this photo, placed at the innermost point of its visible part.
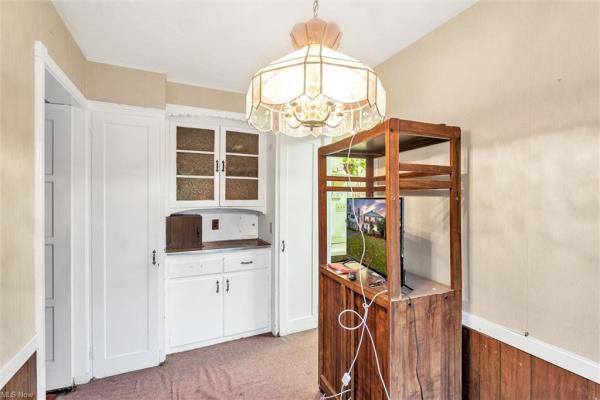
(362, 325)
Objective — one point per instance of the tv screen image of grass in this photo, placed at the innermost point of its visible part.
(370, 219)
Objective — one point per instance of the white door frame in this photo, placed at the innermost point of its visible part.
(43, 63)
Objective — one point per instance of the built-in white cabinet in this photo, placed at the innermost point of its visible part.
(189, 302)
(246, 301)
(216, 297)
(216, 163)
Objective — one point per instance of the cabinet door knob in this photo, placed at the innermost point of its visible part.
(217, 286)
(217, 166)
(223, 166)
(283, 246)
(227, 285)
(153, 257)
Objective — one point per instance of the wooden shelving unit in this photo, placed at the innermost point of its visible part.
(417, 334)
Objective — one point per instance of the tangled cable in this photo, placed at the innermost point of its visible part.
(362, 325)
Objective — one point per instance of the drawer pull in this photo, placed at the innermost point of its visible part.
(247, 262)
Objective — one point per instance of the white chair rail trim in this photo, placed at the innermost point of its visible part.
(575, 363)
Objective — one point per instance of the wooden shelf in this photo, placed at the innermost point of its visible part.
(382, 299)
(371, 143)
(430, 313)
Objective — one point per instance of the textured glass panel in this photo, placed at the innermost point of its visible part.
(240, 142)
(195, 164)
(313, 80)
(241, 189)
(242, 166)
(195, 189)
(195, 139)
(346, 85)
(282, 85)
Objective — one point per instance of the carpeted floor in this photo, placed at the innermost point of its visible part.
(258, 368)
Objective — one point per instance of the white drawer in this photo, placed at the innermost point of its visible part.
(246, 261)
(194, 267)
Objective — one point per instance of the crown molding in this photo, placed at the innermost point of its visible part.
(176, 110)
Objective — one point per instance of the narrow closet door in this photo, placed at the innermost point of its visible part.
(125, 220)
(57, 263)
(298, 262)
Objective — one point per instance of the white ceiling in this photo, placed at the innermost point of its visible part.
(221, 43)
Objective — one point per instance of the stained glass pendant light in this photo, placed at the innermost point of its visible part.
(315, 90)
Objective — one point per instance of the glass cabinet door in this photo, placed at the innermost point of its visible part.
(240, 171)
(196, 164)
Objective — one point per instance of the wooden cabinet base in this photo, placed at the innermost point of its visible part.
(23, 385)
(418, 342)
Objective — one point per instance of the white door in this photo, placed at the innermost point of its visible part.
(297, 211)
(58, 127)
(125, 220)
(242, 167)
(247, 302)
(195, 310)
(195, 164)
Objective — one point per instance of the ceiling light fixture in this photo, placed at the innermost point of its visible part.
(315, 90)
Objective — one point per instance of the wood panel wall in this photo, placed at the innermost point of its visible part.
(23, 384)
(493, 370)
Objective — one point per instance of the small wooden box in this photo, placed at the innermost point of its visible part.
(184, 232)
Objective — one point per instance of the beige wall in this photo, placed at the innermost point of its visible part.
(110, 83)
(21, 23)
(522, 81)
(104, 82)
(178, 93)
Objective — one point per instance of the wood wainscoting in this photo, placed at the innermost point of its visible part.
(23, 385)
(493, 370)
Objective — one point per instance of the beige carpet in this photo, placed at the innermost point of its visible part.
(261, 368)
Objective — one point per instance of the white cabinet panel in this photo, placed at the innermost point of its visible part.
(246, 261)
(189, 266)
(246, 301)
(195, 310)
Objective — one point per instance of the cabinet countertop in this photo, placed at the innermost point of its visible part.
(221, 245)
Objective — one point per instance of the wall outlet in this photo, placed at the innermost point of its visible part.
(215, 224)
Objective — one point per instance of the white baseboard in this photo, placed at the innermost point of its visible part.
(565, 359)
(9, 370)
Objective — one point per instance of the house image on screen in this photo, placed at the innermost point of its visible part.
(372, 223)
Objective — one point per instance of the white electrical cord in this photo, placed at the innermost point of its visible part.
(363, 319)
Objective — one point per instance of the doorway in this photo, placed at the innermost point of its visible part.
(61, 228)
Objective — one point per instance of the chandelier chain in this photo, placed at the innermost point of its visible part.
(316, 9)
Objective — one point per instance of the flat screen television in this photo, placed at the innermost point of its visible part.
(370, 215)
